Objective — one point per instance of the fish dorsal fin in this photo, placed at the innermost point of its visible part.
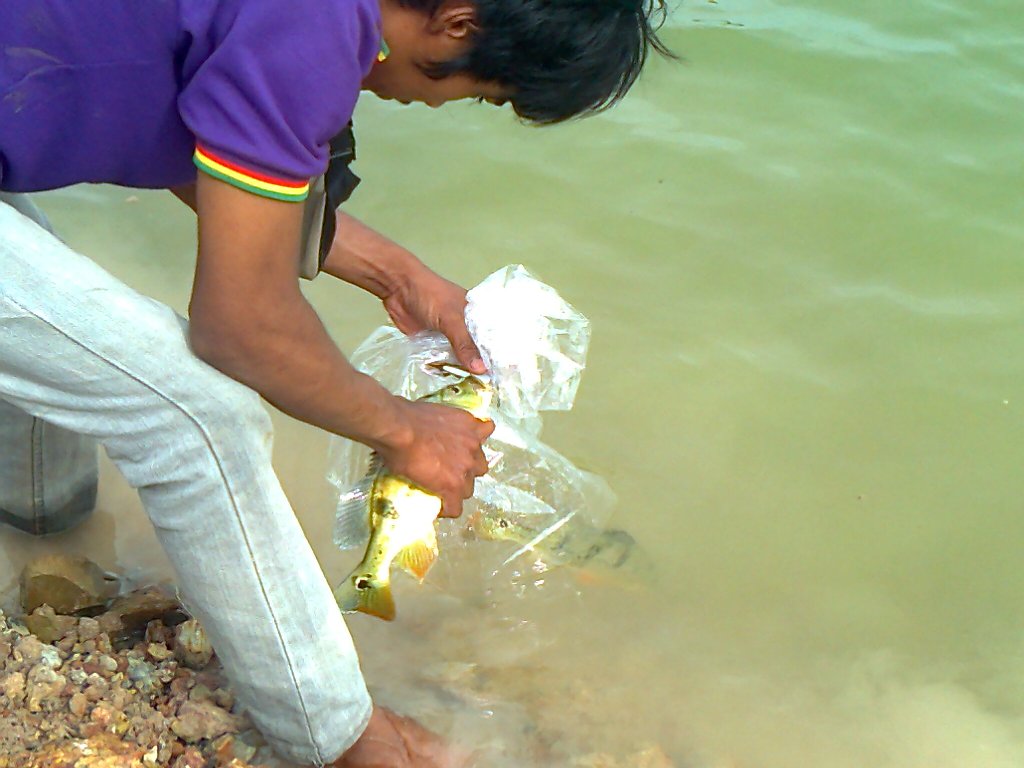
(352, 519)
(375, 465)
(417, 558)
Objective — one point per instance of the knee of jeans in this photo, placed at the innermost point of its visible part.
(231, 411)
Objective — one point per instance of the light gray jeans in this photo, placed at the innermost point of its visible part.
(89, 356)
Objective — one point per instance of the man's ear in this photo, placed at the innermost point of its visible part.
(455, 18)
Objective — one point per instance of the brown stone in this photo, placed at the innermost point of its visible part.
(65, 583)
(78, 705)
(13, 687)
(28, 649)
(45, 624)
(44, 685)
(88, 629)
(129, 614)
(197, 720)
(191, 645)
(190, 758)
(158, 651)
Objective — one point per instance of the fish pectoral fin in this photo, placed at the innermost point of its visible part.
(417, 558)
(363, 593)
(352, 518)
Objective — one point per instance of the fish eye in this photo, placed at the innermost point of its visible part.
(503, 523)
(455, 389)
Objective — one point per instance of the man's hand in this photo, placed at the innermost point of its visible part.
(441, 452)
(425, 301)
(415, 297)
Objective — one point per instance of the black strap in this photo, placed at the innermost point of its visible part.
(339, 183)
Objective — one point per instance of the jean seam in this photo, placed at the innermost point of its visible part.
(231, 496)
(38, 509)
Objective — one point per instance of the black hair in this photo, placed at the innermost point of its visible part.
(560, 59)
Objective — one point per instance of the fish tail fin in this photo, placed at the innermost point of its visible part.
(364, 593)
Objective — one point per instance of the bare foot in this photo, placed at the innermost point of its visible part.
(393, 741)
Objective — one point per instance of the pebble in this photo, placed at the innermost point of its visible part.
(88, 629)
(28, 649)
(48, 626)
(158, 651)
(14, 686)
(199, 720)
(78, 705)
(50, 656)
(191, 645)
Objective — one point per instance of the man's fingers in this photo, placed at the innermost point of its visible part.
(451, 506)
(480, 465)
(466, 350)
(485, 428)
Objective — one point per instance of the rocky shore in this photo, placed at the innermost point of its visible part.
(135, 685)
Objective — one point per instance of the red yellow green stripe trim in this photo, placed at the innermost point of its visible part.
(250, 181)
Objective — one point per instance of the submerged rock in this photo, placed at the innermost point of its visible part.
(129, 614)
(47, 625)
(66, 584)
(199, 720)
(191, 645)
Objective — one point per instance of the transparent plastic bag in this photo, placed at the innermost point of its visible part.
(533, 497)
(533, 342)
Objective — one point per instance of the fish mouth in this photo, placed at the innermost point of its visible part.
(445, 368)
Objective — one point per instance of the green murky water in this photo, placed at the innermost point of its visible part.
(801, 251)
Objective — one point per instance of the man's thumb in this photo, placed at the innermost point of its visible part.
(466, 352)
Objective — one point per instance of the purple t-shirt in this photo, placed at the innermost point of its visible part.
(141, 92)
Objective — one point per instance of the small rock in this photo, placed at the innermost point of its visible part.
(156, 632)
(191, 645)
(78, 705)
(143, 675)
(88, 629)
(229, 748)
(65, 583)
(66, 645)
(129, 614)
(13, 686)
(50, 656)
(44, 685)
(224, 698)
(28, 649)
(200, 693)
(190, 758)
(45, 624)
(198, 720)
(158, 651)
(96, 692)
(110, 719)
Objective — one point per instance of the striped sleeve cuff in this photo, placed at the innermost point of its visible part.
(249, 180)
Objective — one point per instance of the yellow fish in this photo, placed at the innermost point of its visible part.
(401, 518)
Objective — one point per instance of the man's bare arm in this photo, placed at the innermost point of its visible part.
(250, 320)
(415, 296)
